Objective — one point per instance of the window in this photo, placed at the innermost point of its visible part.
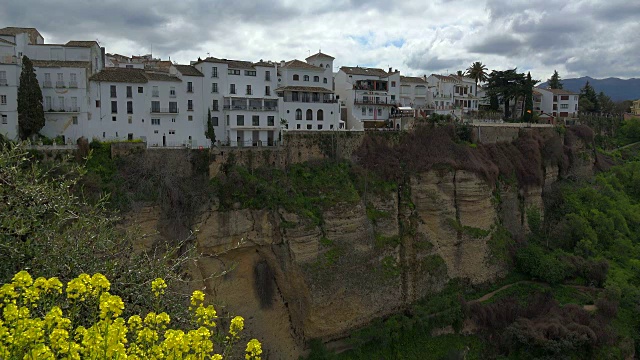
(173, 107)
(316, 79)
(232, 88)
(364, 110)
(393, 84)
(190, 86)
(564, 106)
(172, 91)
(379, 112)
(189, 105)
(129, 92)
(248, 89)
(4, 119)
(227, 120)
(129, 107)
(564, 97)
(319, 127)
(271, 121)
(233, 72)
(298, 126)
(370, 111)
(249, 73)
(324, 80)
(72, 81)
(155, 106)
(267, 91)
(214, 106)
(140, 89)
(47, 103)
(172, 132)
(214, 121)
(155, 131)
(128, 66)
(309, 114)
(214, 72)
(47, 79)
(320, 115)
(190, 118)
(97, 103)
(298, 114)
(393, 98)
(113, 91)
(306, 78)
(130, 119)
(255, 120)
(155, 121)
(296, 77)
(295, 96)
(114, 107)
(240, 120)
(74, 120)
(60, 81)
(309, 127)
(214, 87)
(173, 120)
(74, 103)
(155, 92)
(267, 75)
(113, 118)
(3, 99)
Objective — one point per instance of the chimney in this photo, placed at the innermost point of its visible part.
(104, 58)
(281, 63)
(390, 70)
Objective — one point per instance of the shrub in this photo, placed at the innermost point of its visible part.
(39, 322)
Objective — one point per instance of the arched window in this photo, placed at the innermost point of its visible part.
(327, 66)
(306, 78)
(320, 115)
(324, 80)
(321, 66)
(298, 114)
(296, 77)
(309, 114)
(316, 79)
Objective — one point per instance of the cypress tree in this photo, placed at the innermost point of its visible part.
(554, 82)
(30, 111)
(211, 132)
(528, 99)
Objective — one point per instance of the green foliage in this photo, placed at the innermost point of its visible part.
(210, 133)
(500, 244)
(629, 132)
(47, 229)
(534, 261)
(555, 81)
(374, 214)
(528, 99)
(30, 111)
(476, 233)
(390, 267)
(305, 189)
(387, 242)
(589, 99)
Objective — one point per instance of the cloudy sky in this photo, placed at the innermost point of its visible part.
(596, 38)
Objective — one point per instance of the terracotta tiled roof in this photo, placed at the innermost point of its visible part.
(320, 55)
(6, 42)
(76, 43)
(156, 76)
(120, 75)
(364, 71)
(445, 78)
(264, 64)
(304, 88)
(59, 63)
(412, 79)
(561, 92)
(233, 64)
(297, 64)
(13, 31)
(188, 70)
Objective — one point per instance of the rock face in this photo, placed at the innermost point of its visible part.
(294, 279)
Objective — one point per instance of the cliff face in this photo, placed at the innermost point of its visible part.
(294, 280)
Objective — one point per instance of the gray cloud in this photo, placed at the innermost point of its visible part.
(497, 44)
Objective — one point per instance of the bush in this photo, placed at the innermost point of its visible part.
(38, 322)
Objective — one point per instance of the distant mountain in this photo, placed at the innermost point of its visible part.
(617, 89)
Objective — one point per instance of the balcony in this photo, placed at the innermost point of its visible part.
(172, 95)
(65, 109)
(60, 84)
(8, 59)
(365, 101)
(155, 94)
(46, 84)
(73, 84)
(3, 82)
(250, 108)
(164, 110)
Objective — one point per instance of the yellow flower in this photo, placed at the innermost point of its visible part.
(197, 298)
(78, 288)
(22, 279)
(205, 316)
(54, 285)
(99, 283)
(157, 286)
(254, 350)
(110, 305)
(237, 324)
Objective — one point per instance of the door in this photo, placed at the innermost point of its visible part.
(164, 140)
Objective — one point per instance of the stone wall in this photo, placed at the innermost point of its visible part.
(127, 148)
(507, 132)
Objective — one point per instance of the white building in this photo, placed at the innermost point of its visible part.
(453, 94)
(242, 99)
(368, 94)
(10, 68)
(559, 103)
(307, 101)
(414, 93)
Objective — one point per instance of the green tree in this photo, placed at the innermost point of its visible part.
(606, 104)
(555, 82)
(588, 99)
(507, 86)
(460, 73)
(210, 133)
(528, 99)
(30, 111)
(478, 72)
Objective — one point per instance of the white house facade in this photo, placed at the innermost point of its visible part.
(452, 94)
(559, 103)
(306, 98)
(368, 94)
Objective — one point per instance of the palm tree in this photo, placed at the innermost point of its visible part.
(478, 72)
